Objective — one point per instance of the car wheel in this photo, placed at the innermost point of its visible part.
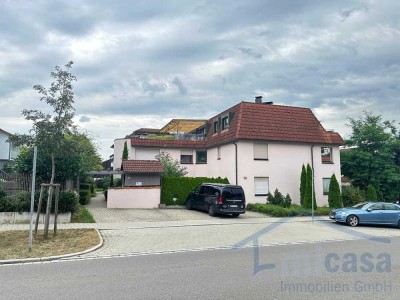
(211, 210)
(352, 220)
(188, 204)
(235, 215)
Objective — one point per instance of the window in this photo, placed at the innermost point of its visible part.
(219, 153)
(325, 184)
(390, 206)
(201, 157)
(261, 186)
(186, 157)
(377, 206)
(260, 151)
(326, 155)
(225, 122)
(216, 125)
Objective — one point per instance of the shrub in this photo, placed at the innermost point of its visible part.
(351, 196)
(84, 197)
(287, 201)
(105, 194)
(371, 194)
(180, 187)
(293, 210)
(117, 182)
(278, 199)
(303, 182)
(68, 202)
(92, 190)
(334, 196)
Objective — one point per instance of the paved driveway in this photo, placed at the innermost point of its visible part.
(102, 214)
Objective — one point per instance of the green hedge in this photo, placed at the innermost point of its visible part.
(293, 210)
(180, 187)
(68, 202)
(84, 196)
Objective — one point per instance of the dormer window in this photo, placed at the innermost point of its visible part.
(216, 125)
(225, 122)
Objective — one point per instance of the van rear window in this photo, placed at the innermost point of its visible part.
(230, 193)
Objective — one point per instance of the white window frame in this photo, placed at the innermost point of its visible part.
(260, 151)
(326, 152)
(261, 186)
(325, 185)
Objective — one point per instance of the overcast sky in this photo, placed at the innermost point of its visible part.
(142, 63)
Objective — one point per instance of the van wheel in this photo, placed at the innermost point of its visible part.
(188, 204)
(211, 210)
(235, 215)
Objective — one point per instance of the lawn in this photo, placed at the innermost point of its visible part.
(14, 244)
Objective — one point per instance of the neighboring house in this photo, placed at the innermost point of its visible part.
(8, 152)
(259, 146)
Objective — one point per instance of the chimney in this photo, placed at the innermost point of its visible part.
(259, 99)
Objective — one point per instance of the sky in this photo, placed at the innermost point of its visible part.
(142, 63)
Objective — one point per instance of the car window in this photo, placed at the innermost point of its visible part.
(389, 206)
(359, 205)
(197, 189)
(229, 193)
(376, 206)
(202, 190)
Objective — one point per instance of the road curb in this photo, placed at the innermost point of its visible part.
(56, 257)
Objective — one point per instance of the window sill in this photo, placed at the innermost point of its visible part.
(201, 163)
(328, 163)
(261, 159)
(325, 194)
(260, 194)
(182, 163)
(219, 158)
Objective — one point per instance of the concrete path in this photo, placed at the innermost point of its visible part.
(101, 214)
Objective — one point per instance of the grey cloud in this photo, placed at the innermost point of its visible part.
(84, 119)
(179, 84)
(250, 52)
(152, 88)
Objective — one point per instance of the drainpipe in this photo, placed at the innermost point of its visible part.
(312, 183)
(236, 163)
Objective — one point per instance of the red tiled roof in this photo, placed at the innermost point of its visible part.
(258, 121)
(142, 166)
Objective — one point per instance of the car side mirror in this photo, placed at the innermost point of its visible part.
(369, 209)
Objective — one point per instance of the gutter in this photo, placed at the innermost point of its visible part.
(312, 183)
(236, 163)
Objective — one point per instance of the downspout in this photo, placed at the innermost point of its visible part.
(236, 163)
(312, 183)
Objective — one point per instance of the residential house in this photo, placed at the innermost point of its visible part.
(260, 146)
(8, 152)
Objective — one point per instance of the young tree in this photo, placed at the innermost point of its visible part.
(171, 167)
(309, 194)
(373, 158)
(125, 151)
(334, 196)
(303, 182)
(49, 129)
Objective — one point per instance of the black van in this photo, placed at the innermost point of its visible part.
(218, 198)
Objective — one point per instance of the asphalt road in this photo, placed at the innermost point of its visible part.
(367, 269)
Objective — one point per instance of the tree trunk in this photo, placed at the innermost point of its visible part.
(50, 197)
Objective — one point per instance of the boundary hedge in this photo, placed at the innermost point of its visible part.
(180, 187)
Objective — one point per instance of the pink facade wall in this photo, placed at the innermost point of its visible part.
(134, 197)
